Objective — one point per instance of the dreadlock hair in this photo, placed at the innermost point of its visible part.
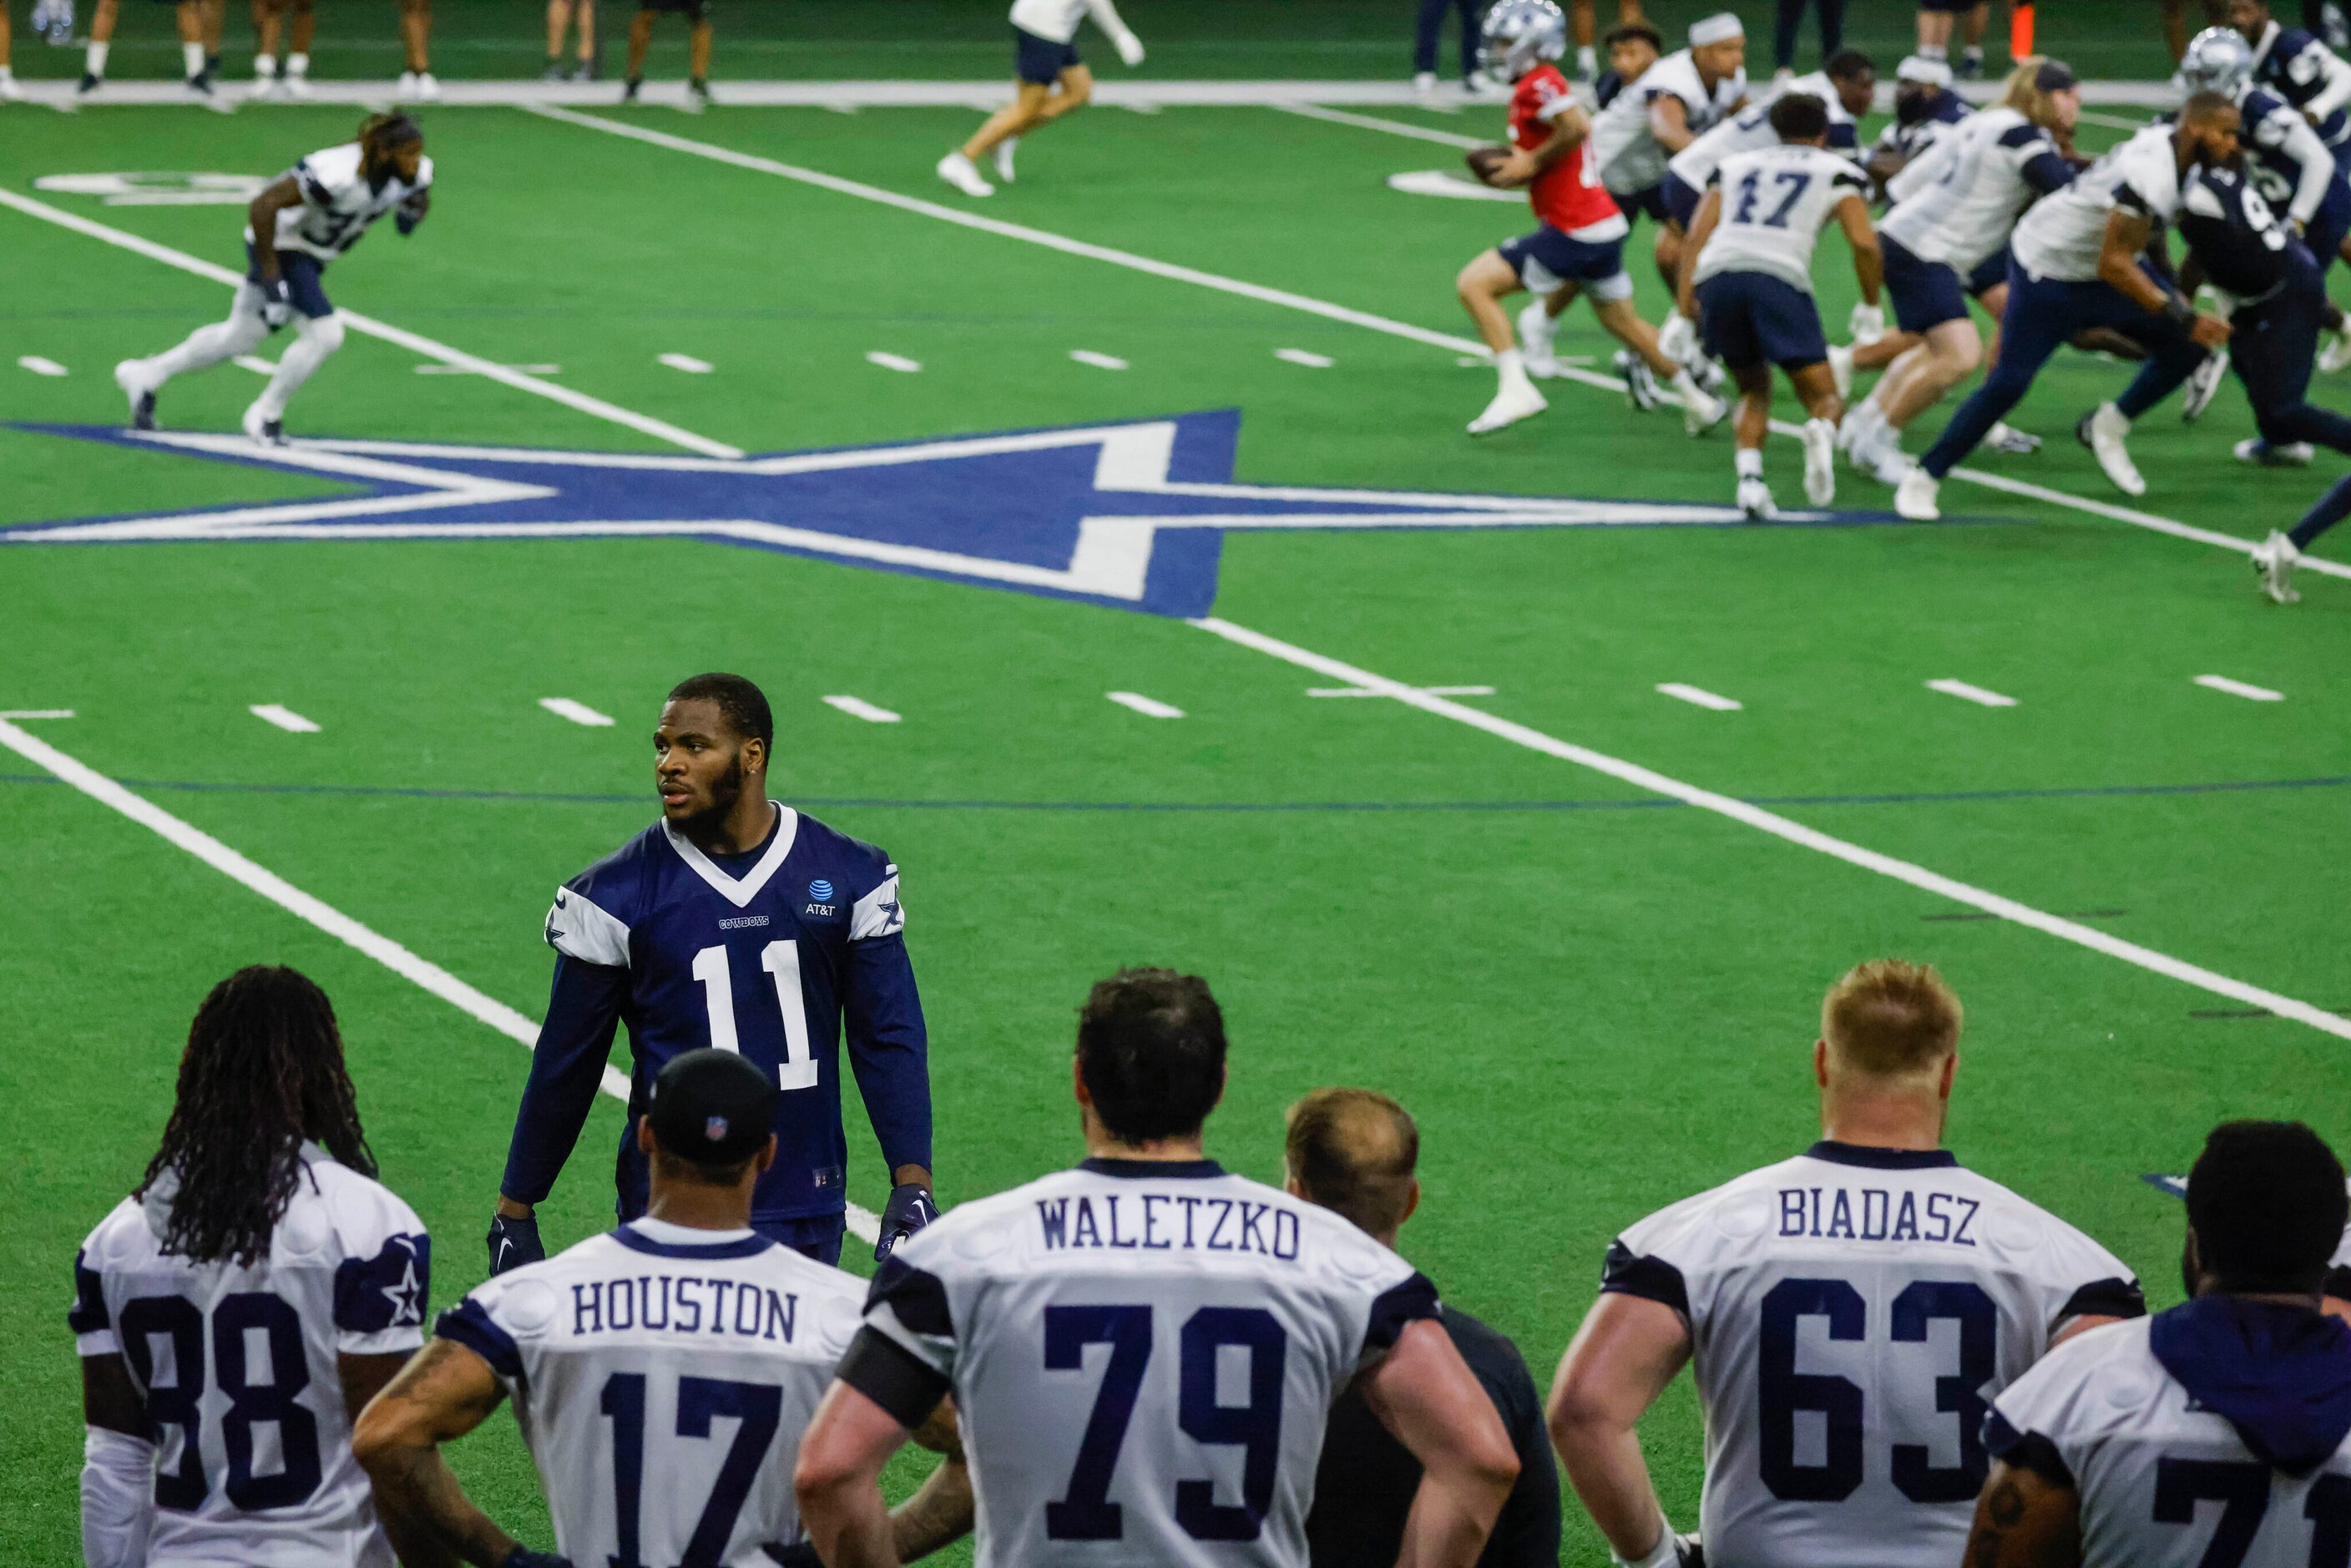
(381, 132)
(263, 1071)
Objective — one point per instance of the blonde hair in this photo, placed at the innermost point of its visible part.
(1889, 1019)
(1354, 1151)
(2021, 92)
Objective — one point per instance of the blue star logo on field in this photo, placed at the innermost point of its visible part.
(1130, 515)
(820, 890)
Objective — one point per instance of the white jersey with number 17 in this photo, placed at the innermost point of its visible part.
(1852, 1312)
(1775, 201)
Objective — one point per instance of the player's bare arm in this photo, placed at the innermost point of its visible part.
(837, 1479)
(1426, 1394)
(441, 1395)
(1569, 129)
(1868, 262)
(263, 215)
(1628, 1350)
(2126, 239)
(1702, 226)
(1670, 124)
(2023, 1520)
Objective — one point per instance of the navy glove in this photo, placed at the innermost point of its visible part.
(406, 219)
(513, 1243)
(276, 306)
(911, 1206)
(522, 1557)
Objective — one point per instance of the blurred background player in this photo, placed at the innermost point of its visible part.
(1049, 81)
(1925, 107)
(1870, 1260)
(314, 214)
(416, 83)
(1580, 244)
(2299, 68)
(661, 1373)
(1229, 1316)
(194, 66)
(1656, 114)
(1429, 28)
(1581, 13)
(1937, 20)
(739, 924)
(2233, 1407)
(1748, 281)
(270, 18)
(1790, 18)
(2076, 261)
(1354, 1153)
(1633, 47)
(237, 1312)
(9, 91)
(560, 16)
(697, 46)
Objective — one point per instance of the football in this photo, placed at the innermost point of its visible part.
(1484, 161)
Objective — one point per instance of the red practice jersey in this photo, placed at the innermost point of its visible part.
(1568, 195)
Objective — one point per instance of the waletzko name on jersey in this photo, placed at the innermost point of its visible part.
(1876, 1214)
(683, 1304)
(1168, 1222)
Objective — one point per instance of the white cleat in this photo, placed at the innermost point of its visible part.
(296, 87)
(1841, 370)
(405, 89)
(9, 91)
(1701, 410)
(1640, 382)
(1888, 464)
(428, 88)
(2273, 562)
(2005, 437)
(1425, 83)
(1004, 159)
(262, 430)
(1755, 500)
(2102, 430)
(2261, 455)
(1535, 330)
(2202, 382)
(1914, 497)
(956, 169)
(1819, 462)
(130, 376)
(2335, 356)
(1518, 400)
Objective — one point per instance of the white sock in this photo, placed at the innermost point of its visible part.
(313, 343)
(1686, 386)
(191, 59)
(1510, 366)
(265, 67)
(6, 75)
(1934, 51)
(1587, 61)
(93, 59)
(208, 346)
(1749, 460)
(298, 65)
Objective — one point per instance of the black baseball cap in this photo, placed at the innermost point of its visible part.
(2054, 76)
(712, 1107)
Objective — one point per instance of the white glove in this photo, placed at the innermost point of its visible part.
(276, 306)
(1678, 339)
(1866, 324)
(1130, 48)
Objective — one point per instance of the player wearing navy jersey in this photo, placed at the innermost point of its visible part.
(1925, 107)
(235, 1312)
(2216, 1433)
(2298, 68)
(735, 923)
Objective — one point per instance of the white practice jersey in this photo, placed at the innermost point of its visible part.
(1629, 157)
(2165, 1480)
(1059, 19)
(1144, 1356)
(338, 203)
(663, 1377)
(1958, 202)
(2061, 237)
(1852, 1310)
(1750, 128)
(235, 1366)
(1775, 201)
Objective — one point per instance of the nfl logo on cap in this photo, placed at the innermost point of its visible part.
(715, 1129)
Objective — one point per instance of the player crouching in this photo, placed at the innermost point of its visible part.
(1746, 279)
(1580, 243)
(315, 212)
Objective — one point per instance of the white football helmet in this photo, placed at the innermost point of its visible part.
(2218, 60)
(1520, 34)
(53, 20)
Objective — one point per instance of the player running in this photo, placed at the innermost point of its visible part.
(1143, 1350)
(1748, 285)
(2075, 262)
(1954, 209)
(1661, 110)
(2213, 1433)
(311, 216)
(235, 1312)
(1049, 81)
(661, 1373)
(1579, 247)
(735, 923)
(1848, 1315)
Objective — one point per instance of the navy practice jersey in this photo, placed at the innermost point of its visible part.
(2303, 71)
(2244, 247)
(1909, 138)
(770, 954)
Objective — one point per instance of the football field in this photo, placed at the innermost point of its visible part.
(1113, 555)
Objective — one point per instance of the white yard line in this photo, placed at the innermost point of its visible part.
(1433, 691)
(39, 366)
(1473, 351)
(469, 370)
(611, 413)
(577, 712)
(1393, 126)
(1099, 362)
(1792, 831)
(857, 707)
(423, 972)
(37, 712)
(687, 363)
(1306, 357)
(1149, 708)
(1700, 696)
(893, 361)
(259, 366)
(2245, 689)
(284, 718)
(1966, 693)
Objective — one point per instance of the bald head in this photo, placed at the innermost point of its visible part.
(1354, 1152)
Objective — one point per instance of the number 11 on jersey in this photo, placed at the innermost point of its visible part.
(782, 959)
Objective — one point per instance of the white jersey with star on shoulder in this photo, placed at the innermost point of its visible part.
(1775, 201)
(339, 202)
(1143, 1358)
(1628, 151)
(663, 1377)
(236, 1366)
(2060, 236)
(1958, 203)
(1751, 128)
(1851, 1311)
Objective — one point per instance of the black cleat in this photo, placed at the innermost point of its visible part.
(143, 416)
(90, 83)
(555, 72)
(201, 84)
(700, 88)
(629, 93)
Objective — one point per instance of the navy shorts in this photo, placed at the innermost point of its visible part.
(1040, 61)
(1679, 198)
(1989, 273)
(1549, 258)
(1925, 293)
(818, 1235)
(1951, 6)
(2329, 223)
(302, 273)
(1648, 202)
(1751, 318)
(696, 10)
